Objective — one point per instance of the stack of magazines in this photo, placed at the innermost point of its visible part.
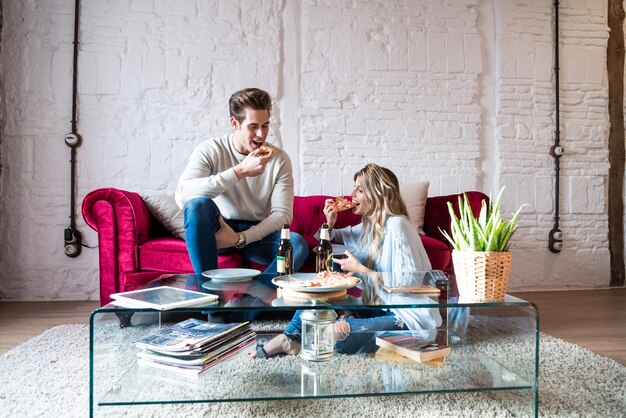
(193, 346)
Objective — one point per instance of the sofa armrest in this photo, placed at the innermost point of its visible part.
(122, 221)
(437, 216)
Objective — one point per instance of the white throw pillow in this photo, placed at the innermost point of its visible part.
(414, 196)
(165, 210)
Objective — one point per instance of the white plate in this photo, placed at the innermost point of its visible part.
(340, 249)
(310, 276)
(231, 275)
(219, 285)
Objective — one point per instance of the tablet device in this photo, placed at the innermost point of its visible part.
(163, 298)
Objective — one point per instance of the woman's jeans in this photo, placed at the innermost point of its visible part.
(201, 224)
(363, 331)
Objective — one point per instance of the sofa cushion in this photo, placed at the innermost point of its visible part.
(438, 215)
(415, 196)
(438, 253)
(308, 216)
(165, 210)
(168, 254)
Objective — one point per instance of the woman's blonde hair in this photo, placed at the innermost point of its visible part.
(382, 190)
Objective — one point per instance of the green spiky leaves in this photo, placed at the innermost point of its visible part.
(489, 233)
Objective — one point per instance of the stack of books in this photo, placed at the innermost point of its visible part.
(406, 347)
(193, 346)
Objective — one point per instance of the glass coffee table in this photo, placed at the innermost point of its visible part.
(495, 348)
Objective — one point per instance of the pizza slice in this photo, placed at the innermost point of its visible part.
(341, 203)
(266, 151)
(325, 279)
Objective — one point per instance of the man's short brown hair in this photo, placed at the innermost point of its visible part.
(251, 98)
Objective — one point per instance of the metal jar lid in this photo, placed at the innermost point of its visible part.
(318, 315)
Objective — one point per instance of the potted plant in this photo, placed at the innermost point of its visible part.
(480, 249)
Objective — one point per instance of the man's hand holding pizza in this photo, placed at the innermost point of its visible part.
(254, 163)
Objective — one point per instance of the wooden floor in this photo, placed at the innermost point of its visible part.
(595, 319)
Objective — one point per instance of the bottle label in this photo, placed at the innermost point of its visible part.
(324, 261)
(329, 262)
(280, 264)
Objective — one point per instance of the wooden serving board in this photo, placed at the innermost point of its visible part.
(298, 295)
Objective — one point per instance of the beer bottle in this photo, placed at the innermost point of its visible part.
(284, 257)
(324, 251)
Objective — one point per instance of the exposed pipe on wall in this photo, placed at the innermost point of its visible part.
(71, 235)
(555, 239)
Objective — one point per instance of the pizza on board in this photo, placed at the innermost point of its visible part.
(325, 279)
(341, 203)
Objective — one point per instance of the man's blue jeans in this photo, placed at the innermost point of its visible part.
(201, 224)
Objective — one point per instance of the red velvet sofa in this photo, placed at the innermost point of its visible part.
(135, 249)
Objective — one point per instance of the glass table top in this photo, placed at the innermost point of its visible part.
(376, 290)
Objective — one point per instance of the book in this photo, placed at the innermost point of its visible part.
(411, 346)
(412, 289)
(163, 298)
(385, 354)
(185, 336)
(428, 284)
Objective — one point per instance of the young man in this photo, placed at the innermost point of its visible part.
(236, 194)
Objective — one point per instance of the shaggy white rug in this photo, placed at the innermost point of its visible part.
(48, 376)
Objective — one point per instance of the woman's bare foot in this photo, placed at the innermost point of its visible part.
(342, 329)
(280, 344)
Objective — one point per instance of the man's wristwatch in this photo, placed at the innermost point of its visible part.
(241, 242)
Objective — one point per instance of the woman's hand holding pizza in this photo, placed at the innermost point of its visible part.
(329, 212)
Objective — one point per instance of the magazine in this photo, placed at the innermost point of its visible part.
(202, 350)
(196, 370)
(191, 360)
(186, 335)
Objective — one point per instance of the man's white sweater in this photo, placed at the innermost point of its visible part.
(267, 198)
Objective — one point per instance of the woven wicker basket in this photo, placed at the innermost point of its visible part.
(481, 276)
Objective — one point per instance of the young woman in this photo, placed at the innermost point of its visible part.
(385, 241)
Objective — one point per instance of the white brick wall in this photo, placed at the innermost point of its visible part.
(526, 113)
(456, 92)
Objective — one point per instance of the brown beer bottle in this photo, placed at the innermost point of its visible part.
(324, 251)
(284, 256)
